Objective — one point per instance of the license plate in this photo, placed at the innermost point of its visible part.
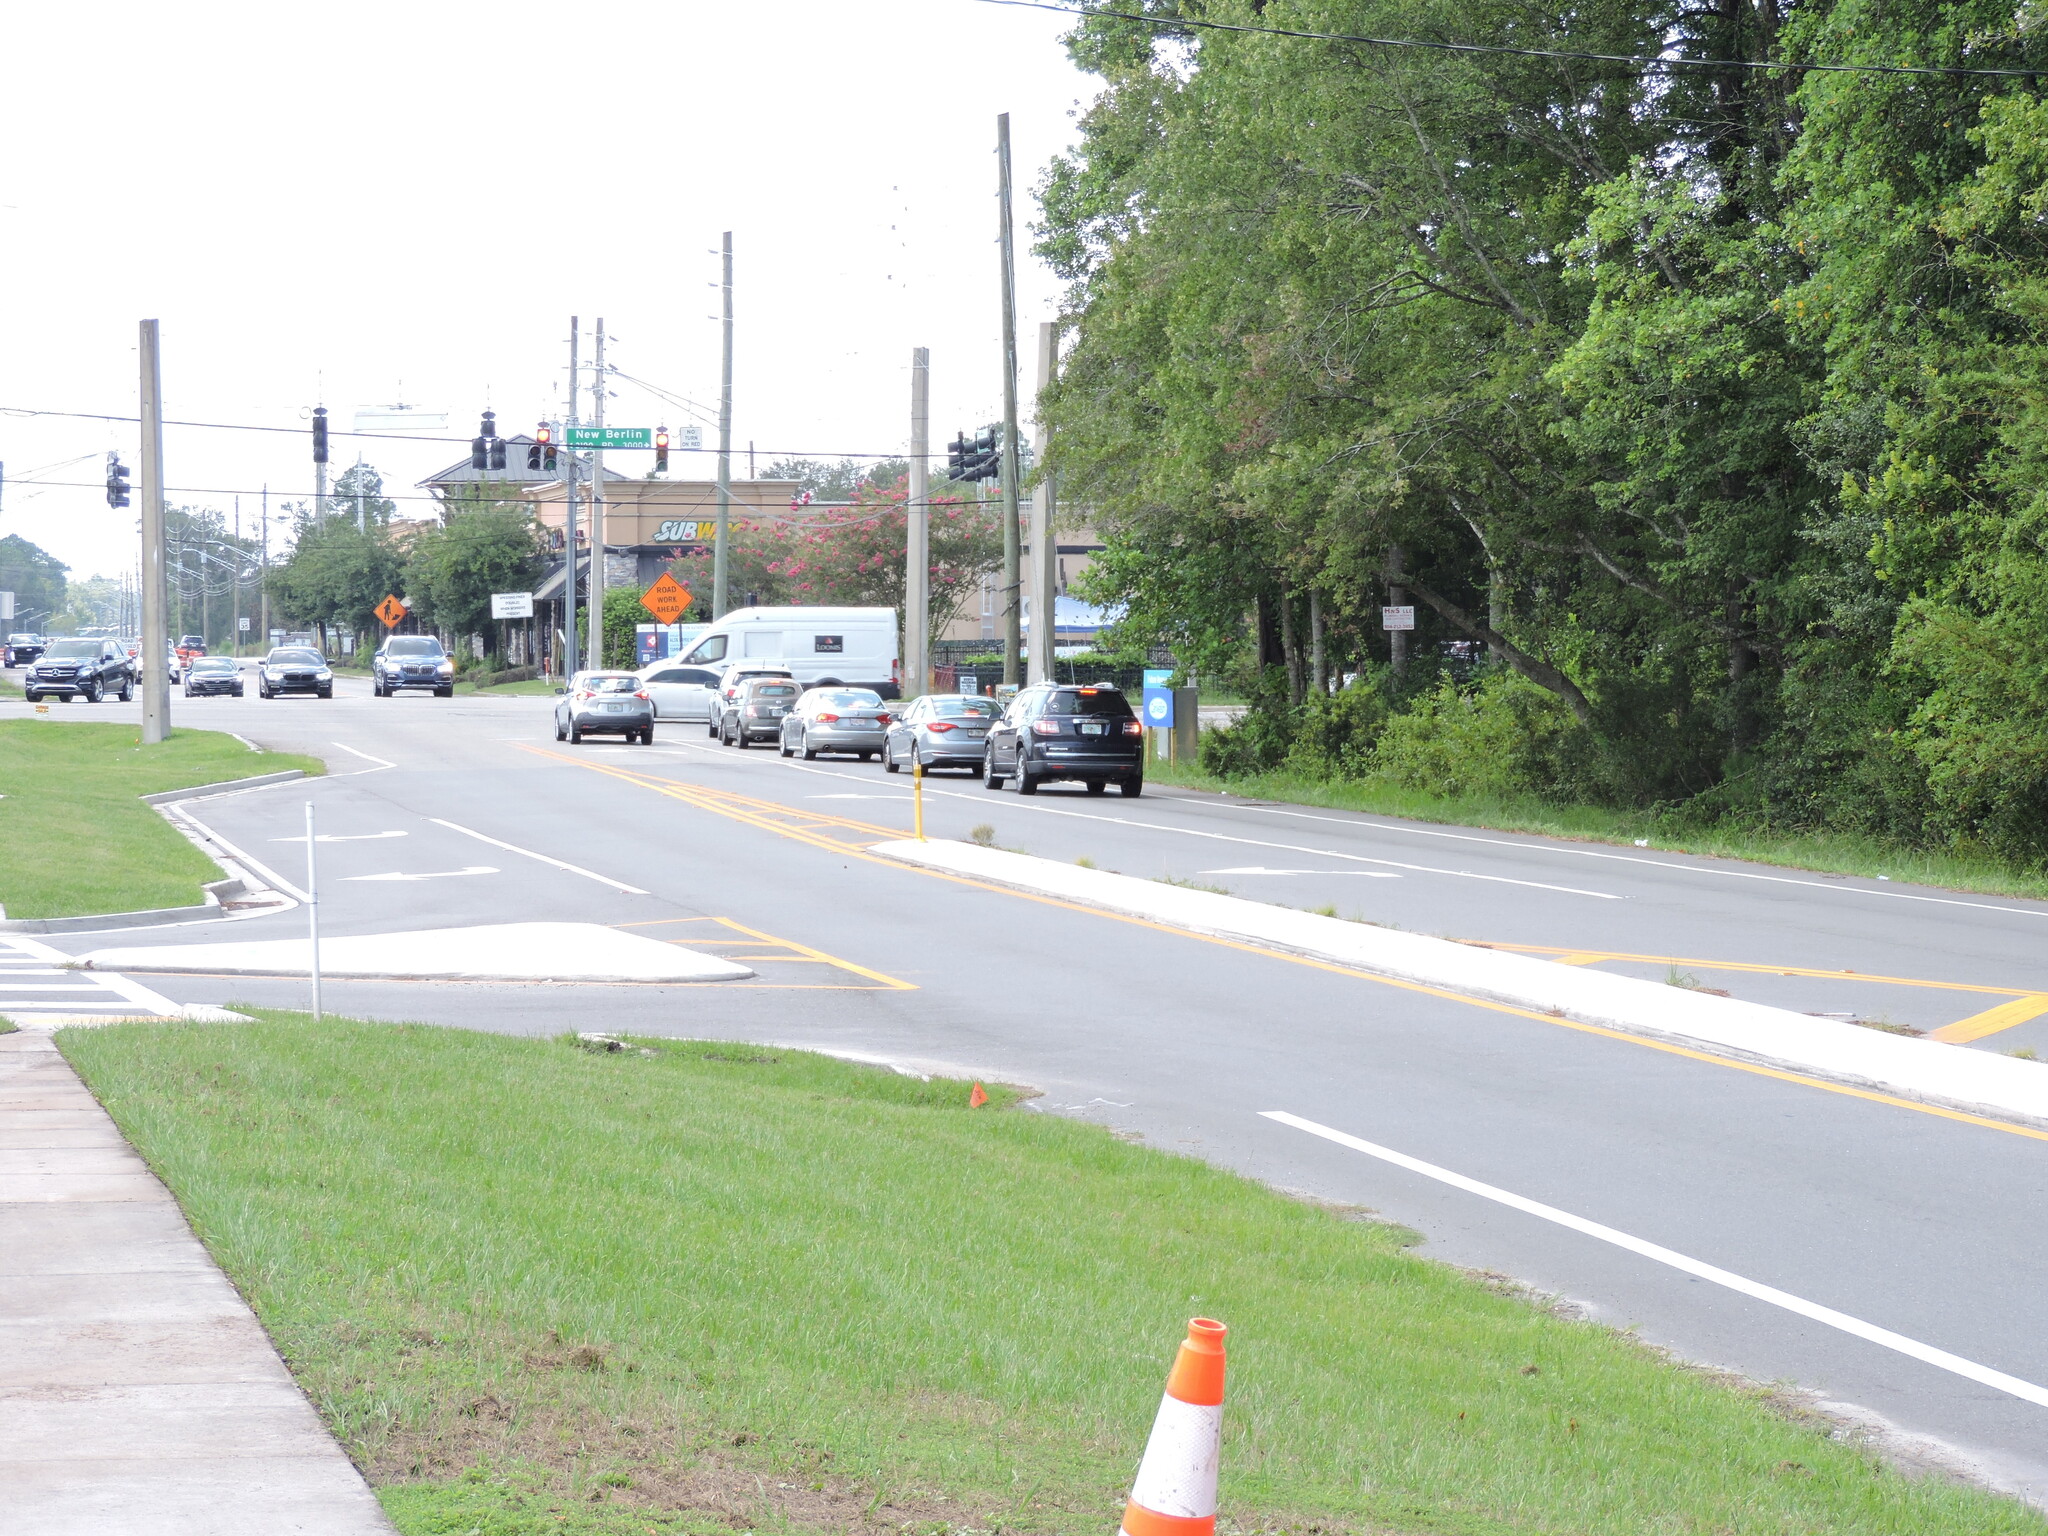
(974, 735)
(615, 709)
(1093, 728)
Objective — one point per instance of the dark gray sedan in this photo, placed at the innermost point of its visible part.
(605, 704)
(940, 730)
(836, 720)
(212, 674)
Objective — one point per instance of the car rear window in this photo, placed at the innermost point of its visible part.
(627, 684)
(775, 691)
(953, 708)
(1089, 701)
(849, 698)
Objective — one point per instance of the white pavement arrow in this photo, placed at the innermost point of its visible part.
(439, 874)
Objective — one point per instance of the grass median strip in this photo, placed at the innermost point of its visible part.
(694, 1286)
(77, 838)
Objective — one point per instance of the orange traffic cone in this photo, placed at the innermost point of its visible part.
(977, 1098)
(1175, 1494)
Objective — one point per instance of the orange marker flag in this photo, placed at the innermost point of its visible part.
(977, 1098)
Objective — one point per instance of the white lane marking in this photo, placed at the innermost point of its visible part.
(381, 763)
(112, 992)
(1631, 858)
(1941, 1359)
(853, 797)
(438, 874)
(574, 869)
(1256, 869)
(341, 837)
(1221, 837)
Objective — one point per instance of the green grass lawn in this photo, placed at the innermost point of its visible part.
(707, 1287)
(1828, 852)
(532, 685)
(76, 838)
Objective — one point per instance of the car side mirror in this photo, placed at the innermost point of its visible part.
(561, 690)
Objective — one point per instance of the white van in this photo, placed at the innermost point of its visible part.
(853, 647)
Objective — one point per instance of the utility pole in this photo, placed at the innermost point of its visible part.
(263, 587)
(1045, 562)
(595, 649)
(359, 492)
(156, 644)
(1013, 580)
(320, 487)
(917, 561)
(721, 563)
(569, 513)
(235, 620)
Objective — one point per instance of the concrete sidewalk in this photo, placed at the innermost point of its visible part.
(137, 1391)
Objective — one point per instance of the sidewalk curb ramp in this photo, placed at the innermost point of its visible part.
(1929, 1071)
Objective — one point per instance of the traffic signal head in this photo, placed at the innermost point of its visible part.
(956, 458)
(490, 425)
(479, 453)
(319, 434)
(117, 481)
(546, 437)
(497, 453)
(661, 450)
(533, 455)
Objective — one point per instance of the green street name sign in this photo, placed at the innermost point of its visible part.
(611, 437)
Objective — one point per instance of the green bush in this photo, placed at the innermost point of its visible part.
(1335, 734)
(1504, 737)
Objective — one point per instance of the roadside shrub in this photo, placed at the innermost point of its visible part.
(1256, 744)
(1504, 737)
(1334, 734)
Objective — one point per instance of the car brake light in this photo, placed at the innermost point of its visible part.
(881, 719)
(1133, 728)
(641, 695)
(827, 719)
(942, 726)
(1045, 727)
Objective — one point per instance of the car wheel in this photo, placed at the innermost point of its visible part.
(238, 691)
(33, 698)
(810, 754)
(989, 776)
(445, 693)
(127, 694)
(561, 734)
(1027, 782)
(1131, 788)
(889, 759)
(711, 727)
(326, 693)
(740, 740)
(576, 735)
(867, 757)
(1096, 786)
(90, 693)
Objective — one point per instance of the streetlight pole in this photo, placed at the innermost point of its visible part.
(595, 650)
(156, 682)
(917, 542)
(1013, 579)
(721, 564)
(569, 636)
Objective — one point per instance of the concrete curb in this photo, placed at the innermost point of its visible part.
(150, 919)
(1955, 1077)
(200, 791)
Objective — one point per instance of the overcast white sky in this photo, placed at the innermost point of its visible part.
(377, 201)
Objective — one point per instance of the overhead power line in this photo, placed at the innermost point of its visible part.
(410, 437)
(1640, 61)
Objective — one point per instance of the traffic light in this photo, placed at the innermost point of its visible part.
(546, 436)
(981, 457)
(479, 453)
(319, 434)
(533, 454)
(117, 481)
(956, 458)
(661, 450)
(497, 453)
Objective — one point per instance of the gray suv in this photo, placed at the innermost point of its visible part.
(81, 669)
(412, 661)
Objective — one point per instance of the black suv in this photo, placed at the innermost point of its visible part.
(412, 661)
(81, 669)
(20, 650)
(1066, 731)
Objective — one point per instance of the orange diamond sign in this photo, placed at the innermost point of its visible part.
(391, 610)
(668, 599)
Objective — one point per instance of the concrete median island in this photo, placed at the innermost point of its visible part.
(1930, 1071)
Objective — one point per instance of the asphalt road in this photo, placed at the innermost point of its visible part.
(1906, 1219)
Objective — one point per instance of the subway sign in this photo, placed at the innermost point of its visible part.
(676, 530)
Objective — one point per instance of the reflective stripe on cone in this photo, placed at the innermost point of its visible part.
(1175, 1494)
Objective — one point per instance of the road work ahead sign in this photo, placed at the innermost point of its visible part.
(391, 610)
(668, 599)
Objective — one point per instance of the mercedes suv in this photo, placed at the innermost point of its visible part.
(81, 669)
(412, 661)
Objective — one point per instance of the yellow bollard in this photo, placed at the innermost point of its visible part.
(917, 795)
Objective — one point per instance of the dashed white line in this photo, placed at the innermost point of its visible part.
(1927, 1354)
(574, 869)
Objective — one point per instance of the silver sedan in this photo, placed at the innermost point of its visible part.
(940, 730)
(836, 720)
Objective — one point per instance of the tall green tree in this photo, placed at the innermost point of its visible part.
(452, 568)
(36, 578)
